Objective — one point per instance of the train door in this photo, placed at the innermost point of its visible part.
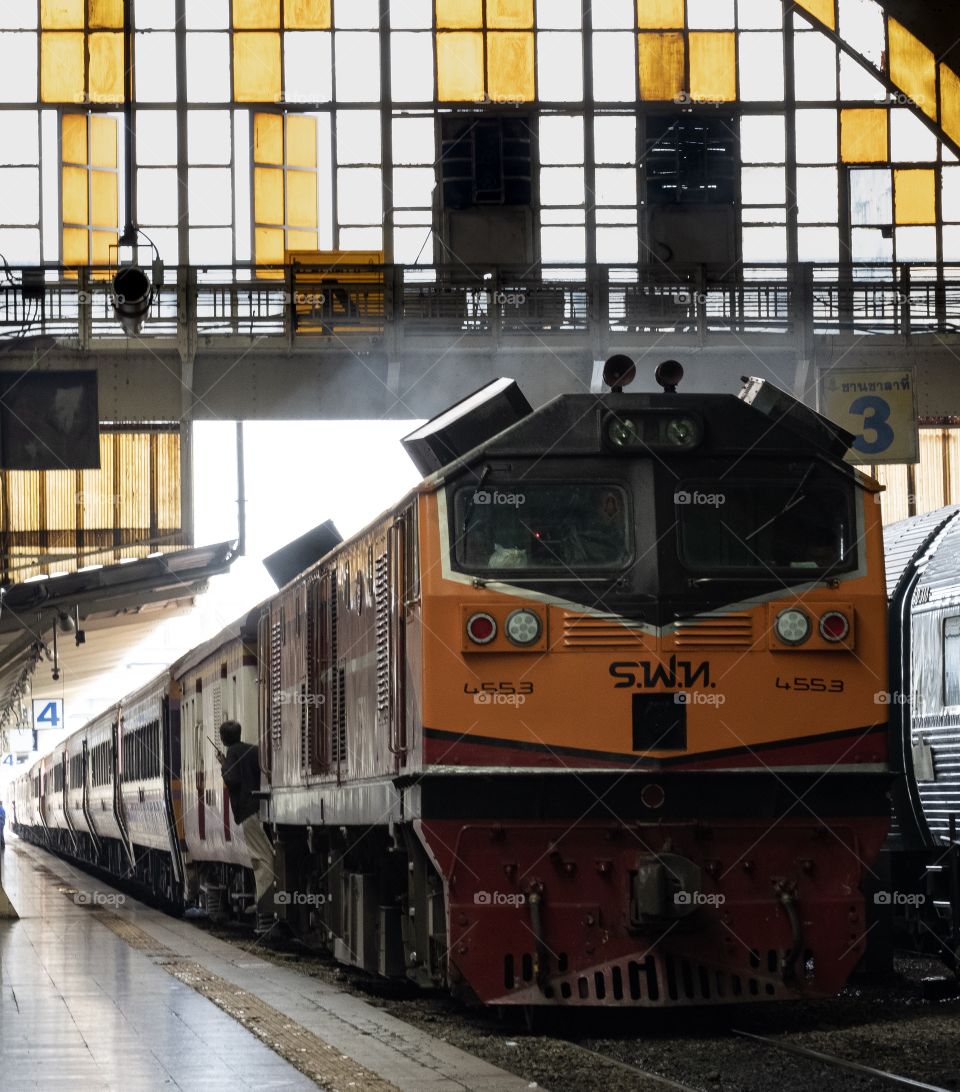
(85, 799)
(170, 773)
(219, 716)
(119, 769)
(65, 792)
(198, 764)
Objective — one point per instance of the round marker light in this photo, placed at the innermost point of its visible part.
(522, 627)
(792, 626)
(481, 629)
(834, 626)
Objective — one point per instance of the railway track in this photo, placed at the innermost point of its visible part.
(623, 1058)
(654, 1080)
(892, 1080)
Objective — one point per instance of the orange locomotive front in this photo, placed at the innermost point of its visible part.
(652, 673)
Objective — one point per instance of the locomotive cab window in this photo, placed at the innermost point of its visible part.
(788, 525)
(951, 661)
(543, 526)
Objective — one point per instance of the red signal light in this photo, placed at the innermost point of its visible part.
(481, 628)
(834, 626)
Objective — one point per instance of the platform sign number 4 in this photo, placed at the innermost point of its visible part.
(878, 407)
(48, 712)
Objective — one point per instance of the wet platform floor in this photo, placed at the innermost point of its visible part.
(98, 991)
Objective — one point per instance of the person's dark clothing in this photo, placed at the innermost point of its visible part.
(241, 775)
(3, 821)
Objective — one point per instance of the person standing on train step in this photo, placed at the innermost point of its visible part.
(240, 768)
(3, 823)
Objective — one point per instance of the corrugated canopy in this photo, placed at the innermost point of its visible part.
(117, 605)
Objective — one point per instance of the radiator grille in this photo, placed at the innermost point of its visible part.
(656, 980)
(715, 631)
(601, 631)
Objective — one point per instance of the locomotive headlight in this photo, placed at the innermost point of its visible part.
(792, 626)
(522, 627)
(481, 628)
(834, 626)
(682, 432)
(623, 433)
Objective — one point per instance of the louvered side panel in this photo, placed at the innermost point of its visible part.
(381, 591)
(276, 697)
(310, 761)
(217, 708)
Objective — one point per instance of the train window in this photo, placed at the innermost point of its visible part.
(951, 660)
(543, 526)
(774, 525)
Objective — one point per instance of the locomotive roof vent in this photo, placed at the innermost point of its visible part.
(297, 556)
(466, 425)
(782, 407)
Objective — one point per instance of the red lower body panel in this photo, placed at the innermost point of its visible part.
(653, 914)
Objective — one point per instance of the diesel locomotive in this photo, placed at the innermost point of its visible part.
(587, 718)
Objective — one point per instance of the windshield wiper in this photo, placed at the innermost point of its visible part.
(472, 502)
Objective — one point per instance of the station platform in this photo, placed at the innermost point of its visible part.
(99, 991)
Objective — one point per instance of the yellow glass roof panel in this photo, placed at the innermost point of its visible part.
(256, 14)
(103, 141)
(915, 196)
(301, 141)
(459, 14)
(950, 103)
(74, 138)
(460, 67)
(60, 14)
(61, 66)
(106, 67)
(863, 136)
(510, 67)
(268, 138)
(713, 66)
(107, 14)
(306, 14)
(912, 67)
(824, 10)
(661, 58)
(256, 67)
(509, 14)
(660, 14)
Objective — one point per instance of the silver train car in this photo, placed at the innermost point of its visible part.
(136, 794)
(923, 579)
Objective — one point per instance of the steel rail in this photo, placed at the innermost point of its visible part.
(841, 1063)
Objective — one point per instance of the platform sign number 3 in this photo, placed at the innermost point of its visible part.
(878, 407)
(48, 713)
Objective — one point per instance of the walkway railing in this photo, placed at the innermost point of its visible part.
(318, 306)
